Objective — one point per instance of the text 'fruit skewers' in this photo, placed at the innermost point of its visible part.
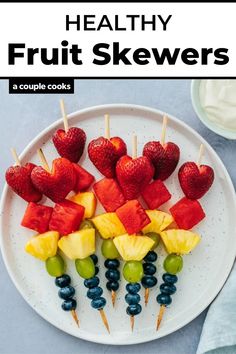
(80, 247)
(69, 142)
(44, 247)
(164, 156)
(159, 222)
(104, 152)
(18, 177)
(177, 243)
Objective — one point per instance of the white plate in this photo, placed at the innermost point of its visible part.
(204, 272)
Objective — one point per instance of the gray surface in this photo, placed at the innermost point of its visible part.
(22, 331)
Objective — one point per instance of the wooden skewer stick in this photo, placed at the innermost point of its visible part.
(200, 155)
(132, 322)
(75, 317)
(163, 131)
(160, 316)
(134, 146)
(43, 160)
(104, 319)
(64, 115)
(107, 126)
(15, 157)
(113, 297)
(146, 296)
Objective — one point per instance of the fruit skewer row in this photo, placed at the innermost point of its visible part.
(164, 157)
(104, 152)
(195, 180)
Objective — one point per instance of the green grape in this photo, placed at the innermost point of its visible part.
(86, 224)
(109, 250)
(85, 267)
(133, 271)
(173, 263)
(155, 237)
(55, 266)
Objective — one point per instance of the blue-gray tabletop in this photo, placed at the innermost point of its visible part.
(22, 117)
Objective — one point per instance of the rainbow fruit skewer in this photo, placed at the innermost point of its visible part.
(173, 264)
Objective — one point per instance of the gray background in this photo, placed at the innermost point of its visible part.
(22, 117)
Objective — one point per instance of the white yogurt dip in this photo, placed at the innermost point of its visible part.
(218, 99)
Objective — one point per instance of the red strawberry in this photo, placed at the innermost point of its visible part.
(195, 181)
(164, 158)
(133, 175)
(70, 144)
(84, 179)
(57, 184)
(19, 179)
(105, 153)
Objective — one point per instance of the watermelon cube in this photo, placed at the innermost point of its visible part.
(109, 194)
(37, 217)
(66, 217)
(187, 213)
(155, 194)
(133, 216)
(84, 179)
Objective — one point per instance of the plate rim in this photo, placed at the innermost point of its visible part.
(86, 335)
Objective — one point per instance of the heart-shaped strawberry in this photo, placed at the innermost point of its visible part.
(195, 180)
(163, 157)
(104, 154)
(70, 144)
(57, 184)
(133, 175)
(19, 179)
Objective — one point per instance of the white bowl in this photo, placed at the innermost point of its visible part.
(226, 133)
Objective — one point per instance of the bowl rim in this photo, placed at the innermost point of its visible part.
(226, 133)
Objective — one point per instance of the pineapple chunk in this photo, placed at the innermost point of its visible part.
(159, 221)
(109, 225)
(132, 247)
(43, 246)
(79, 244)
(180, 241)
(88, 201)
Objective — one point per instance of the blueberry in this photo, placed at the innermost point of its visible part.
(151, 257)
(63, 280)
(112, 285)
(91, 282)
(112, 274)
(112, 263)
(94, 292)
(98, 303)
(164, 299)
(94, 258)
(133, 310)
(149, 281)
(149, 268)
(96, 270)
(132, 299)
(66, 292)
(168, 289)
(69, 305)
(169, 278)
(133, 288)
